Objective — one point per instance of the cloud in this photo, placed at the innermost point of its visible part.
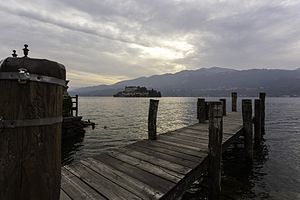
(83, 78)
(112, 40)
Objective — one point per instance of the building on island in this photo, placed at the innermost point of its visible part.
(137, 91)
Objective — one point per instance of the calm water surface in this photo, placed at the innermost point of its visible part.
(275, 173)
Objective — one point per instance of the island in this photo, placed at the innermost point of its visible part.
(137, 91)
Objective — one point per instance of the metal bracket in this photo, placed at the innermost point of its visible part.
(24, 76)
(10, 124)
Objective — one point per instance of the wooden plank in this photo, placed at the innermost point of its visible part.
(146, 166)
(226, 136)
(156, 161)
(195, 145)
(188, 138)
(180, 161)
(190, 135)
(77, 189)
(230, 140)
(169, 152)
(196, 129)
(232, 130)
(181, 145)
(64, 196)
(198, 132)
(131, 184)
(232, 121)
(104, 186)
(232, 125)
(177, 191)
(190, 152)
(233, 117)
(158, 183)
(203, 134)
(233, 114)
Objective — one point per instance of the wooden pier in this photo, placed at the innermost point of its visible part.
(163, 166)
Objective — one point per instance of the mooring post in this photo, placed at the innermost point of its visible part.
(262, 97)
(30, 128)
(152, 119)
(76, 105)
(201, 113)
(206, 110)
(215, 149)
(224, 106)
(234, 101)
(257, 121)
(248, 130)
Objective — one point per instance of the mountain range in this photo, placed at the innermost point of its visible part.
(213, 81)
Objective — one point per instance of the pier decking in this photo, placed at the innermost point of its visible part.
(147, 169)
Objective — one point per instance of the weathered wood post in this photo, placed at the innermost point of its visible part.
(248, 130)
(30, 128)
(76, 111)
(206, 110)
(201, 112)
(215, 149)
(224, 106)
(262, 97)
(152, 119)
(234, 101)
(257, 121)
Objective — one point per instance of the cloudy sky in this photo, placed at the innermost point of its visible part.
(105, 41)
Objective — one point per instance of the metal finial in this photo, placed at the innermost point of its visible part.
(14, 54)
(25, 50)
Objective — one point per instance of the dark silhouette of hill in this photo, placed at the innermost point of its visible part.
(213, 81)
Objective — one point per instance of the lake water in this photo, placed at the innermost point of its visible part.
(275, 173)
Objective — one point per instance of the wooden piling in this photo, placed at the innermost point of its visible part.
(234, 101)
(257, 121)
(152, 119)
(262, 97)
(224, 106)
(248, 130)
(206, 110)
(76, 111)
(201, 110)
(30, 129)
(215, 149)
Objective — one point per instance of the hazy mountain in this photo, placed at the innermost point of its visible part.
(213, 81)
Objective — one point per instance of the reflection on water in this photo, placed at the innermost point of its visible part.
(275, 173)
(239, 178)
(243, 176)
